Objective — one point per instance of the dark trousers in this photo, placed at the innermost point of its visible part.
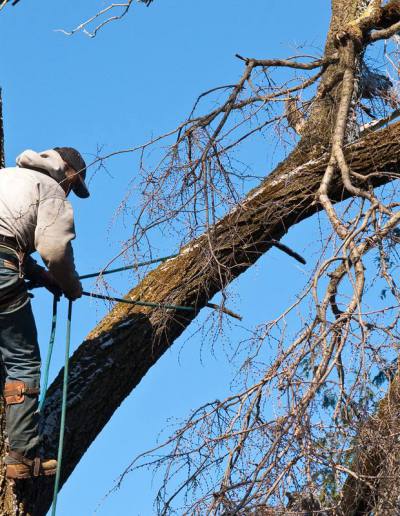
(20, 357)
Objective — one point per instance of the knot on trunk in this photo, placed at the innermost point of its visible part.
(294, 115)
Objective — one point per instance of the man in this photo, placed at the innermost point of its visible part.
(34, 216)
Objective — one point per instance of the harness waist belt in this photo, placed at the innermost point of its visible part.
(9, 258)
(13, 293)
(10, 242)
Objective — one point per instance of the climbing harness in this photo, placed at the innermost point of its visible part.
(68, 342)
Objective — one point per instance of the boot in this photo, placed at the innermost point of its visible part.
(22, 467)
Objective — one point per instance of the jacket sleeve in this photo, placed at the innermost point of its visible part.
(32, 269)
(53, 235)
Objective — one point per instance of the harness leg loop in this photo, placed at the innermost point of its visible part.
(14, 392)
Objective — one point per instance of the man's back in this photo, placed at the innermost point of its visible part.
(21, 193)
(35, 212)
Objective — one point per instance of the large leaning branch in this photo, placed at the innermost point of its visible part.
(128, 342)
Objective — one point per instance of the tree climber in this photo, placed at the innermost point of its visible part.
(34, 216)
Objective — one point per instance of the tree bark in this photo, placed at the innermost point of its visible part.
(317, 131)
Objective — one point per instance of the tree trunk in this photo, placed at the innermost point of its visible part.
(317, 132)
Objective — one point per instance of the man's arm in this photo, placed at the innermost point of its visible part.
(32, 269)
(53, 235)
(38, 276)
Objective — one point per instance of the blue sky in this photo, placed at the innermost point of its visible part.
(137, 78)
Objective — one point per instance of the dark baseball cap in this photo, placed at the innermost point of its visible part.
(74, 159)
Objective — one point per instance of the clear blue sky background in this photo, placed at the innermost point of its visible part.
(139, 77)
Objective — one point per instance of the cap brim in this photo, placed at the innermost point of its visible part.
(81, 190)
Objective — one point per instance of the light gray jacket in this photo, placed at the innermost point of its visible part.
(34, 210)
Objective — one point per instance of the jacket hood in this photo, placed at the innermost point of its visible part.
(48, 161)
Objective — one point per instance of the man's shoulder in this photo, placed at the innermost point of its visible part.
(27, 177)
(15, 175)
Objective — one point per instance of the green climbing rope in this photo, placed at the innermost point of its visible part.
(127, 268)
(166, 306)
(63, 411)
(68, 342)
(45, 382)
(140, 303)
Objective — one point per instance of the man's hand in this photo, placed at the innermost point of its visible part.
(75, 294)
(45, 279)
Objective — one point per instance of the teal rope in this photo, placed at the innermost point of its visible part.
(68, 341)
(163, 305)
(148, 303)
(128, 267)
(67, 349)
(141, 303)
(49, 354)
(63, 410)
